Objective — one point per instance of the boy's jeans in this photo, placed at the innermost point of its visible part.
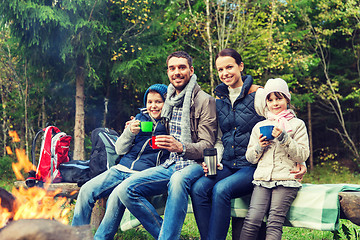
(135, 190)
(101, 186)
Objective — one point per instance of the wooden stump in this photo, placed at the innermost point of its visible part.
(98, 212)
(350, 206)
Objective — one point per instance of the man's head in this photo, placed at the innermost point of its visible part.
(179, 69)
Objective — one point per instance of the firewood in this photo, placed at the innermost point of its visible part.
(350, 205)
(44, 229)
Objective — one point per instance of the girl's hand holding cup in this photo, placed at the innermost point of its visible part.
(276, 132)
(263, 142)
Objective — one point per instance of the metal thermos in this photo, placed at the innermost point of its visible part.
(210, 159)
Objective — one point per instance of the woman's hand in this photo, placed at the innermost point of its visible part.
(204, 166)
(299, 171)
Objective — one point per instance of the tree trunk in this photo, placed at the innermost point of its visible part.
(4, 117)
(26, 122)
(311, 159)
(79, 129)
(210, 47)
(42, 116)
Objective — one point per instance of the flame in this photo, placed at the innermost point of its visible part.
(35, 202)
(23, 163)
(8, 150)
(14, 135)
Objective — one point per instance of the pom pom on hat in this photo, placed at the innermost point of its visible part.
(159, 88)
(277, 85)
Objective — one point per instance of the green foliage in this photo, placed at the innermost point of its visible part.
(328, 174)
(125, 44)
(6, 169)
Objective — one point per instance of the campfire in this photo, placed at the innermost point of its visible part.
(37, 205)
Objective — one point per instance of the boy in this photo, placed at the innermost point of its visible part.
(138, 155)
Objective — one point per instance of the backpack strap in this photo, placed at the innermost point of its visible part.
(34, 145)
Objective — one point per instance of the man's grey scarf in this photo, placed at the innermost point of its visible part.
(184, 99)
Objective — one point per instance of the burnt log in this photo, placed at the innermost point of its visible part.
(67, 189)
(7, 200)
(350, 206)
(44, 229)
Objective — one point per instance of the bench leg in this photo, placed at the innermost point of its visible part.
(237, 224)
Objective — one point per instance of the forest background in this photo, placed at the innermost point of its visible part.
(85, 64)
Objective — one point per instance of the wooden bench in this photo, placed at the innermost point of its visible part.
(349, 207)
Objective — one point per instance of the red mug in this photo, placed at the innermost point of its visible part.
(152, 143)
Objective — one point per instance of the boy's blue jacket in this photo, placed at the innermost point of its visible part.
(141, 155)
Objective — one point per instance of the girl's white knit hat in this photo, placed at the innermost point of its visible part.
(277, 85)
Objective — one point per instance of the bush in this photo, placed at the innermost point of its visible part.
(7, 175)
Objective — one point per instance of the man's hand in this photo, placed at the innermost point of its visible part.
(299, 171)
(169, 143)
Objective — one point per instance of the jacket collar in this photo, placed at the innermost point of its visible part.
(223, 91)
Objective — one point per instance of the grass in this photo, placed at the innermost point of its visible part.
(327, 173)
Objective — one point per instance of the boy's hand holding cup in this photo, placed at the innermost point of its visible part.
(134, 126)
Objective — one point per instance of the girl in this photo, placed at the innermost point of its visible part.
(275, 187)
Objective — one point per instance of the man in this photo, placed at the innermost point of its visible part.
(191, 117)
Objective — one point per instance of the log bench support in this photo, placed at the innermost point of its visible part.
(349, 208)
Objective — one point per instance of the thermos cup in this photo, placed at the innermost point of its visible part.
(210, 159)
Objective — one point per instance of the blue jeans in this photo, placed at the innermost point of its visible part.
(211, 199)
(101, 186)
(135, 190)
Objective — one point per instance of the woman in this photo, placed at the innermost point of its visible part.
(237, 110)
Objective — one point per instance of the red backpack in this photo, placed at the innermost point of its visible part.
(54, 151)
